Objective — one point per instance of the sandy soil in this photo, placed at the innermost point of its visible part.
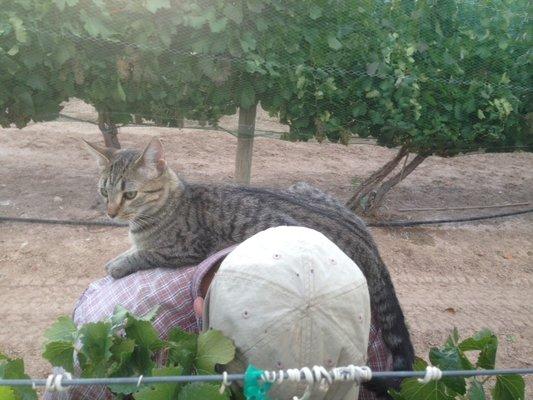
(470, 276)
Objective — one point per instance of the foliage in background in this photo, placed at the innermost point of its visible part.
(456, 355)
(433, 77)
(440, 76)
(126, 345)
(31, 87)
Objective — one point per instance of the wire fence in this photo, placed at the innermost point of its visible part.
(146, 380)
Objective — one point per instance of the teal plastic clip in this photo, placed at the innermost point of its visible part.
(254, 387)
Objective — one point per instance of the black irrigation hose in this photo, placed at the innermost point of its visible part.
(61, 222)
(383, 224)
(403, 224)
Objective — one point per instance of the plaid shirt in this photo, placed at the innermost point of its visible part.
(174, 292)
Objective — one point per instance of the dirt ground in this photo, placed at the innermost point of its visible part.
(468, 276)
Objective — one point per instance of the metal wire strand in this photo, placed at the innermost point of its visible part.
(134, 380)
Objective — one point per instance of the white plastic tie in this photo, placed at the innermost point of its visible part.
(139, 381)
(322, 377)
(53, 382)
(318, 375)
(432, 374)
(352, 373)
(225, 383)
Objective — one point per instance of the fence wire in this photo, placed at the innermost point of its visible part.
(142, 380)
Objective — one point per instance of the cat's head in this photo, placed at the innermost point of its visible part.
(134, 183)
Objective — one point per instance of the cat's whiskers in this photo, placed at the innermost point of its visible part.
(142, 220)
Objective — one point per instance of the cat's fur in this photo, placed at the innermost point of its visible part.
(174, 223)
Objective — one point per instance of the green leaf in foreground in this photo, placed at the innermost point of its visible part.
(64, 329)
(451, 358)
(60, 354)
(122, 351)
(14, 369)
(182, 349)
(509, 387)
(487, 343)
(143, 333)
(202, 391)
(7, 393)
(213, 348)
(435, 390)
(96, 339)
(412, 389)
(161, 391)
(476, 391)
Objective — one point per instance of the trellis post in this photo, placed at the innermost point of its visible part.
(245, 143)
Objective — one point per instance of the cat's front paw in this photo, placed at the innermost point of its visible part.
(118, 268)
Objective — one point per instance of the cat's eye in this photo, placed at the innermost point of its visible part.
(130, 195)
(103, 191)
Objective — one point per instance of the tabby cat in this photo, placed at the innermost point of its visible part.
(174, 223)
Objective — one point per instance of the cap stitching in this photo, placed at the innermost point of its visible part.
(300, 308)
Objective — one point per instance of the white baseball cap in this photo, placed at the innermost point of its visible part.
(290, 298)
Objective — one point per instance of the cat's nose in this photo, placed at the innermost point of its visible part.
(112, 211)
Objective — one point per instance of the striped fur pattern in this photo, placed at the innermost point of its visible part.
(174, 223)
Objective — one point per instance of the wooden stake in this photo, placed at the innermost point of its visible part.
(245, 143)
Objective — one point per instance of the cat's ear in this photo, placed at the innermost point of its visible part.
(101, 154)
(152, 162)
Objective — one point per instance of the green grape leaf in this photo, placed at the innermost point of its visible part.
(202, 391)
(154, 5)
(450, 358)
(233, 12)
(419, 364)
(218, 25)
(213, 348)
(64, 329)
(161, 391)
(7, 393)
(476, 391)
(182, 349)
(13, 51)
(94, 26)
(315, 12)
(359, 109)
(150, 315)
(248, 42)
(412, 389)
(147, 342)
(14, 369)
(143, 333)
(121, 351)
(18, 26)
(396, 395)
(120, 314)
(509, 387)
(247, 95)
(96, 340)
(334, 43)
(487, 343)
(60, 354)
(453, 339)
